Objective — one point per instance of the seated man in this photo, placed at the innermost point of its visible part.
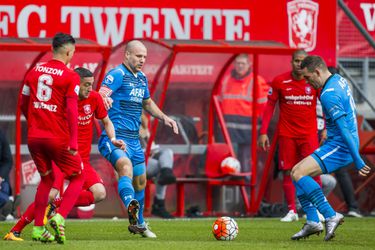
(159, 169)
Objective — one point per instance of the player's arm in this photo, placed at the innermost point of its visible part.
(350, 142)
(110, 84)
(25, 100)
(150, 106)
(110, 131)
(263, 140)
(72, 113)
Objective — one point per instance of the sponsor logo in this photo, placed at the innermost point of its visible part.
(303, 22)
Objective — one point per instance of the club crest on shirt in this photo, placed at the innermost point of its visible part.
(108, 79)
(87, 109)
(308, 90)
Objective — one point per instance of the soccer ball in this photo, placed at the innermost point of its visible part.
(230, 165)
(225, 228)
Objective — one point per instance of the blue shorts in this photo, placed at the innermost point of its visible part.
(332, 155)
(133, 151)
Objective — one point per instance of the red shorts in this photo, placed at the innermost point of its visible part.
(293, 150)
(91, 176)
(45, 150)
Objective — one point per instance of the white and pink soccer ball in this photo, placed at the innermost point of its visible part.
(230, 165)
(225, 228)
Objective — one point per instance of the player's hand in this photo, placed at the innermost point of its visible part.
(107, 102)
(364, 171)
(171, 123)
(120, 144)
(264, 142)
(323, 137)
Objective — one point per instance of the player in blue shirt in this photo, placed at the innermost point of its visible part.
(339, 150)
(125, 93)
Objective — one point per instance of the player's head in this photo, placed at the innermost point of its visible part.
(63, 47)
(242, 65)
(135, 55)
(87, 80)
(297, 59)
(315, 71)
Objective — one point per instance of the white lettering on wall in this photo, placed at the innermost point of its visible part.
(235, 20)
(144, 19)
(75, 18)
(369, 14)
(7, 16)
(173, 22)
(208, 16)
(23, 19)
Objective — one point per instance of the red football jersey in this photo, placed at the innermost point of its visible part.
(48, 85)
(297, 102)
(88, 109)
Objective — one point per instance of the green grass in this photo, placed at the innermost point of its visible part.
(196, 234)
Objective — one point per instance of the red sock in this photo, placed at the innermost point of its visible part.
(71, 194)
(85, 198)
(290, 192)
(26, 218)
(41, 198)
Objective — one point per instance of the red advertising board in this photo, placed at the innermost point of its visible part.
(351, 42)
(299, 23)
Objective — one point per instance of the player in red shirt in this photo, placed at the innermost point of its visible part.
(90, 106)
(297, 124)
(49, 102)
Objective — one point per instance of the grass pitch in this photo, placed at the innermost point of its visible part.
(254, 233)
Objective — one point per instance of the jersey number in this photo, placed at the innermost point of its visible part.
(44, 91)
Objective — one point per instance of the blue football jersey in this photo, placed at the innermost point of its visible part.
(337, 101)
(128, 92)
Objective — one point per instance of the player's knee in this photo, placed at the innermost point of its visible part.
(100, 195)
(139, 182)
(296, 173)
(124, 167)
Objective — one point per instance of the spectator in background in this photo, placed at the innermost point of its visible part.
(297, 124)
(159, 169)
(236, 96)
(6, 162)
(345, 182)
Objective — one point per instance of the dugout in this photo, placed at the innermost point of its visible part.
(183, 78)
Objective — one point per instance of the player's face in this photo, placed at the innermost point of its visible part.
(241, 65)
(137, 58)
(85, 87)
(296, 64)
(312, 78)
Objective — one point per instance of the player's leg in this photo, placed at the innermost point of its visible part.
(287, 158)
(39, 150)
(71, 166)
(26, 218)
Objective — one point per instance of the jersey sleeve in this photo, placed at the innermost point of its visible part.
(147, 91)
(100, 111)
(113, 80)
(332, 102)
(73, 89)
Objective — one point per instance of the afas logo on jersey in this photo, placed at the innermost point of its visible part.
(109, 79)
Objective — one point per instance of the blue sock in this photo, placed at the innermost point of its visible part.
(125, 190)
(140, 197)
(314, 194)
(307, 206)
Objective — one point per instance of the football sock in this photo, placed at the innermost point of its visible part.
(85, 198)
(26, 218)
(307, 206)
(315, 194)
(125, 190)
(41, 199)
(140, 197)
(71, 194)
(290, 192)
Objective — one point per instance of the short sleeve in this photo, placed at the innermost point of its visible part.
(100, 111)
(113, 79)
(332, 103)
(147, 91)
(273, 91)
(73, 89)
